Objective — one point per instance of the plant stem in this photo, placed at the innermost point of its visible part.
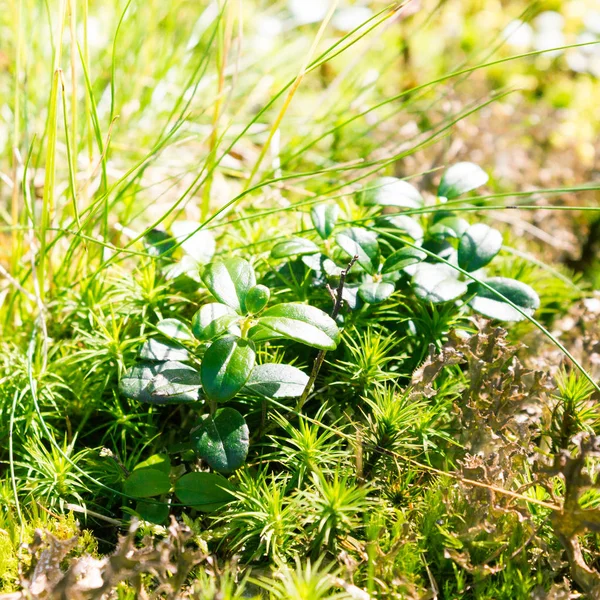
(337, 306)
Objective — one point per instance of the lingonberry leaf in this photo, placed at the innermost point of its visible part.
(204, 491)
(477, 247)
(324, 217)
(437, 283)
(302, 323)
(229, 282)
(360, 242)
(491, 305)
(391, 191)
(461, 178)
(226, 366)
(222, 440)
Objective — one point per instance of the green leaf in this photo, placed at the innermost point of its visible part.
(145, 483)
(257, 298)
(302, 323)
(321, 264)
(160, 462)
(213, 319)
(161, 383)
(154, 349)
(403, 258)
(204, 491)
(360, 242)
(223, 440)
(195, 242)
(159, 243)
(461, 178)
(295, 246)
(226, 366)
(324, 218)
(175, 329)
(437, 283)
(373, 292)
(478, 246)
(490, 305)
(391, 191)
(404, 224)
(448, 227)
(274, 380)
(152, 512)
(229, 282)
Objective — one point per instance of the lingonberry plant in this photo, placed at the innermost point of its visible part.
(222, 338)
(440, 257)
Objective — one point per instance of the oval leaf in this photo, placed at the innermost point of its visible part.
(295, 246)
(461, 178)
(324, 218)
(274, 380)
(448, 227)
(175, 329)
(145, 483)
(195, 242)
(229, 282)
(154, 349)
(437, 283)
(204, 491)
(391, 191)
(160, 462)
(257, 298)
(302, 323)
(360, 242)
(478, 246)
(226, 366)
(161, 383)
(212, 320)
(489, 304)
(321, 264)
(222, 440)
(403, 258)
(404, 224)
(374, 292)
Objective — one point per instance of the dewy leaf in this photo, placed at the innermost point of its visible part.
(161, 383)
(274, 380)
(198, 243)
(478, 246)
(324, 218)
(490, 305)
(226, 366)
(229, 282)
(145, 483)
(160, 462)
(295, 246)
(437, 283)
(175, 329)
(154, 349)
(404, 224)
(373, 292)
(461, 178)
(302, 323)
(223, 440)
(391, 191)
(403, 258)
(212, 320)
(360, 242)
(204, 491)
(257, 298)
